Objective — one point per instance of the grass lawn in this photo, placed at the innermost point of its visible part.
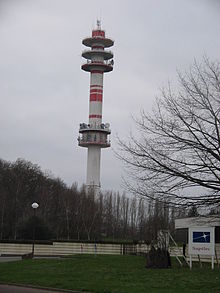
(109, 274)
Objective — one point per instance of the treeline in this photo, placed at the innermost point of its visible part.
(70, 212)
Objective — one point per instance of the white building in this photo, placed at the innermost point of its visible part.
(182, 225)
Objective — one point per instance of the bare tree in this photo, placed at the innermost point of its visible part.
(177, 154)
(133, 217)
(69, 213)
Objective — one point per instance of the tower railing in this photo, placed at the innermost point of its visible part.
(105, 62)
(85, 141)
(94, 126)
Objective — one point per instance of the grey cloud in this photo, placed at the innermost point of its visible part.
(44, 93)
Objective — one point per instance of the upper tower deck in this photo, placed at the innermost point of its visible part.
(98, 58)
(98, 39)
(99, 61)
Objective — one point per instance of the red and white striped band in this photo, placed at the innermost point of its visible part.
(96, 91)
(95, 97)
(97, 47)
(97, 71)
(98, 33)
(95, 116)
(96, 85)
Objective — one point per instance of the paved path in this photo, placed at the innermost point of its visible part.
(18, 289)
(9, 258)
(15, 258)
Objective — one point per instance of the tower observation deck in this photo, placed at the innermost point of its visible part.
(94, 134)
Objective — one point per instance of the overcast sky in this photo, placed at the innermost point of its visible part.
(44, 94)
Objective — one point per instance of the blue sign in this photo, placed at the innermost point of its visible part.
(201, 237)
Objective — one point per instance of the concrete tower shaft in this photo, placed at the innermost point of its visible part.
(94, 135)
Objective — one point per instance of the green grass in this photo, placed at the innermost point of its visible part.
(125, 274)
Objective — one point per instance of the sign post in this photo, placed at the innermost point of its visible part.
(202, 242)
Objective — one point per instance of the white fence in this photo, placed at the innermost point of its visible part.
(67, 248)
